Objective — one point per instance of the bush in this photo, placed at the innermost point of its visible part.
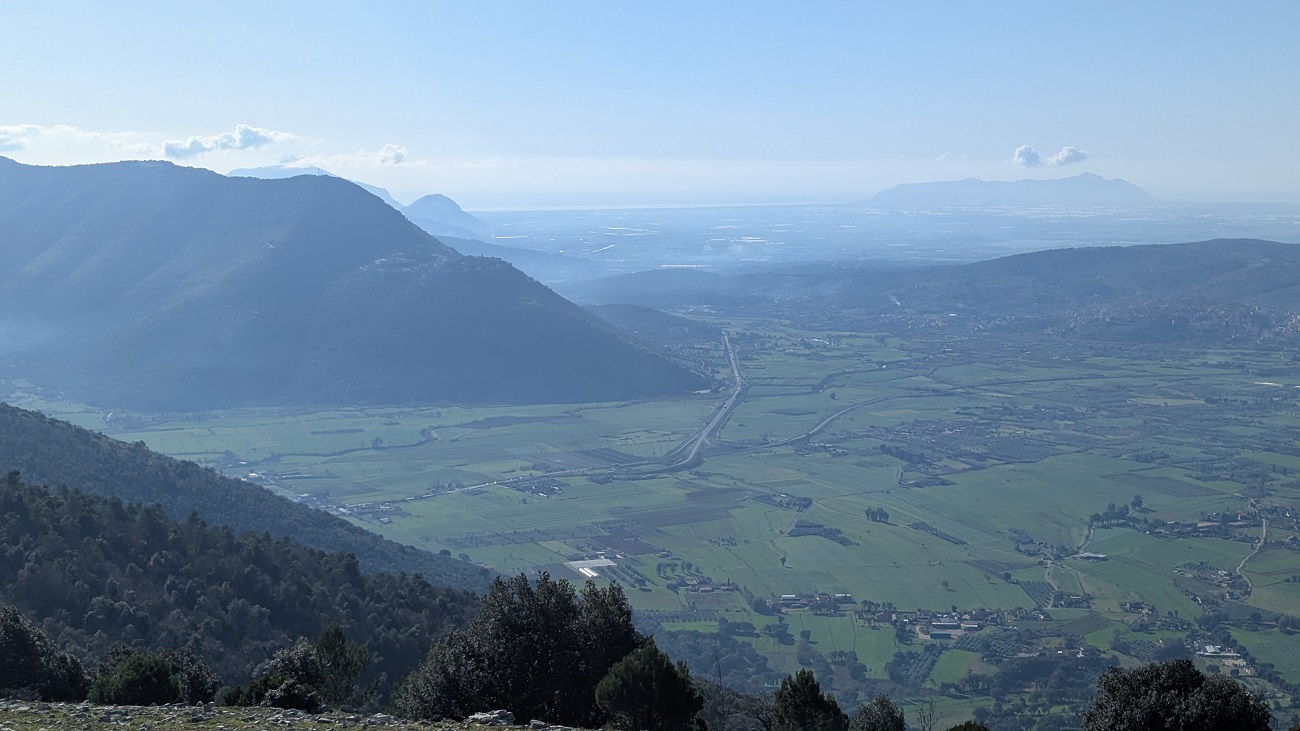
(144, 679)
(120, 671)
(308, 674)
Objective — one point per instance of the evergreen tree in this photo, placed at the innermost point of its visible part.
(341, 663)
(143, 679)
(646, 692)
(1173, 695)
(800, 705)
(878, 715)
(308, 674)
(29, 664)
(193, 680)
(536, 650)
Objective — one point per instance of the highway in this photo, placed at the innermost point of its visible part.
(690, 449)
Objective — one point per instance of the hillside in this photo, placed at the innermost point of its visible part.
(51, 452)
(94, 573)
(1225, 270)
(149, 286)
(1086, 190)
(1205, 291)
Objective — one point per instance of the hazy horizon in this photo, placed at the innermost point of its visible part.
(515, 106)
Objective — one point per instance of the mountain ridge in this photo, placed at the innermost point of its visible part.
(150, 286)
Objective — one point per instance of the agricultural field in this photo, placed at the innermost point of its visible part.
(1082, 498)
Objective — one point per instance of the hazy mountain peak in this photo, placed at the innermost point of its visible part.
(442, 216)
(1086, 189)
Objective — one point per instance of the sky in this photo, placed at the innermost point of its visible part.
(521, 105)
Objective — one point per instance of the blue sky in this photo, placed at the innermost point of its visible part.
(571, 104)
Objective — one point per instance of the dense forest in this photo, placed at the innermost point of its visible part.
(95, 572)
(52, 452)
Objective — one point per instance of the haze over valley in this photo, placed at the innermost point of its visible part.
(740, 367)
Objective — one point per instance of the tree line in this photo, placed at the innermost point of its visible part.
(99, 573)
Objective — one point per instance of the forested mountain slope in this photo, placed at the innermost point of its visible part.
(52, 452)
(149, 286)
(95, 572)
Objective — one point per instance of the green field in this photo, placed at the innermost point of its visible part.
(990, 462)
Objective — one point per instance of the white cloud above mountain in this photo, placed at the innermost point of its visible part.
(244, 137)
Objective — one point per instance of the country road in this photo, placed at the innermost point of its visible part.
(1263, 534)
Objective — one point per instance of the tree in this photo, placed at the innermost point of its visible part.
(969, 726)
(800, 705)
(341, 663)
(878, 715)
(1173, 695)
(195, 681)
(31, 666)
(308, 674)
(143, 679)
(645, 691)
(538, 651)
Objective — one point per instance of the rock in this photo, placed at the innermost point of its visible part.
(535, 724)
(493, 718)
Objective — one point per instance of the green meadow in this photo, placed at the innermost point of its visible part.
(972, 450)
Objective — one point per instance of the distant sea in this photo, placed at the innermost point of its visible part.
(726, 238)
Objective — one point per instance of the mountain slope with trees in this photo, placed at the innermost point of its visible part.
(52, 452)
(149, 286)
(94, 573)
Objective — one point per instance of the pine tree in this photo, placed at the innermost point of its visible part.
(646, 692)
(800, 705)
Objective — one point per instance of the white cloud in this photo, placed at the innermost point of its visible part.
(25, 136)
(1026, 156)
(1067, 156)
(388, 156)
(391, 154)
(244, 137)
(17, 136)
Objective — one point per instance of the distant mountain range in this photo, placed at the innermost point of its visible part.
(148, 286)
(1086, 190)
